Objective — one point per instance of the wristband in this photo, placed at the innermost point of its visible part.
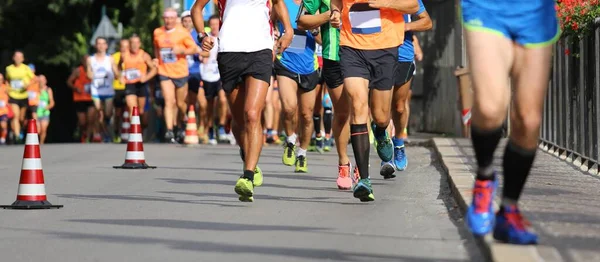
(201, 37)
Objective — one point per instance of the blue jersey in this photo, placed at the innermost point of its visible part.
(194, 60)
(300, 56)
(406, 51)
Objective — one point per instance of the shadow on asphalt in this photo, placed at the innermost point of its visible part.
(152, 199)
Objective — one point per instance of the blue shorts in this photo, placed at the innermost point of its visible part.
(4, 118)
(527, 22)
(103, 98)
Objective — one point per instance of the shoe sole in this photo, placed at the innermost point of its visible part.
(344, 188)
(363, 194)
(300, 171)
(246, 194)
(387, 172)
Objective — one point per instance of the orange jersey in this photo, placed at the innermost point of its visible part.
(170, 64)
(367, 28)
(80, 83)
(33, 92)
(134, 66)
(3, 99)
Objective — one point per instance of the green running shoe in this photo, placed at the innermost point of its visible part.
(245, 189)
(289, 154)
(301, 165)
(364, 191)
(258, 177)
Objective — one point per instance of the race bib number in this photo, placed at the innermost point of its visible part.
(2, 104)
(17, 84)
(32, 95)
(133, 74)
(167, 55)
(298, 44)
(364, 19)
(100, 82)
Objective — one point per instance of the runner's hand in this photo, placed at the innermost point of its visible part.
(418, 55)
(335, 19)
(207, 44)
(284, 41)
(380, 3)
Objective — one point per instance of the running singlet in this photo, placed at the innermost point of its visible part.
(245, 26)
(44, 102)
(117, 84)
(194, 60)
(300, 56)
(367, 28)
(103, 77)
(210, 69)
(18, 79)
(134, 67)
(329, 34)
(406, 52)
(170, 64)
(3, 100)
(83, 84)
(33, 92)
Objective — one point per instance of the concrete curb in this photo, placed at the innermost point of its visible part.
(461, 177)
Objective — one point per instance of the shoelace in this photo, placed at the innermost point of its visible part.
(290, 149)
(401, 153)
(516, 219)
(344, 171)
(484, 197)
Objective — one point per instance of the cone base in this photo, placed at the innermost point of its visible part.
(134, 166)
(20, 204)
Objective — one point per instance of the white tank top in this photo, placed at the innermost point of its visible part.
(210, 70)
(102, 83)
(245, 26)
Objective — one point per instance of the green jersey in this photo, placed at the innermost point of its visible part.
(329, 34)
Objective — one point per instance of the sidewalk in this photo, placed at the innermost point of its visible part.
(561, 202)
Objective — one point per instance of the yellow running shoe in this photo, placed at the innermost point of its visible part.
(258, 177)
(301, 165)
(245, 189)
(289, 154)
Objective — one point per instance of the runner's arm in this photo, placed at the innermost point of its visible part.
(418, 50)
(197, 17)
(72, 78)
(422, 24)
(283, 15)
(115, 68)
(318, 38)
(90, 73)
(404, 6)
(51, 98)
(150, 65)
(310, 22)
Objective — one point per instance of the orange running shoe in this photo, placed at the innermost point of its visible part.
(344, 182)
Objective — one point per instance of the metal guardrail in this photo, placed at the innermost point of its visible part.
(571, 121)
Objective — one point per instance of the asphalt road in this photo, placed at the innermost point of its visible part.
(186, 210)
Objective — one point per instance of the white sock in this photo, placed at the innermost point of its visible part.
(292, 139)
(274, 132)
(300, 152)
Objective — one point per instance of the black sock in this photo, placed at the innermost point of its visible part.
(317, 123)
(249, 174)
(359, 137)
(517, 164)
(379, 131)
(327, 119)
(484, 144)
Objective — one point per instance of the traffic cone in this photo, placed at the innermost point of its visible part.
(134, 157)
(125, 126)
(191, 135)
(32, 191)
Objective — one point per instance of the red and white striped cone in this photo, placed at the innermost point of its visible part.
(32, 191)
(191, 133)
(125, 126)
(134, 157)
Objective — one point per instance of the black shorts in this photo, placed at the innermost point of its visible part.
(119, 99)
(211, 89)
(321, 78)
(33, 109)
(138, 89)
(194, 82)
(235, 66)
(332, 73)
(404, 73)
(83, 106)
(22, 103)
(305, 82)
(377, 66)
(178, 82)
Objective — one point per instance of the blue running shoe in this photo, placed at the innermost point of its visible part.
(364, 191)
(222, 134)
(387, 170)
(400, 160)
(480, 215)
(511, 227)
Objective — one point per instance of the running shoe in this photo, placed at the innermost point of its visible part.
(384, 146)
(387, 170)
(258, 177)
(344, 182)
(400, 160)
(511, 227)
(289, 154)
(245, 189)
(222, 135)
(480, 214)
(364, 191)
(312, 147)
(301, 165)
(170, 137)
(319, 144)
(328, 144)
(117, 140)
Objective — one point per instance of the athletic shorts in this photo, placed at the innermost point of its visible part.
(305, 82)
(44, 118)
(3, 118)
(22, 103)
(528, 23)
(321, 78)
(33, 109)
(377, 66)
(332, 73)
(119, 100)
(138, 89)
(194, 82)
(211, 89)
(235, 66)
(82, 107)
(178, 82)
(404, 73)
